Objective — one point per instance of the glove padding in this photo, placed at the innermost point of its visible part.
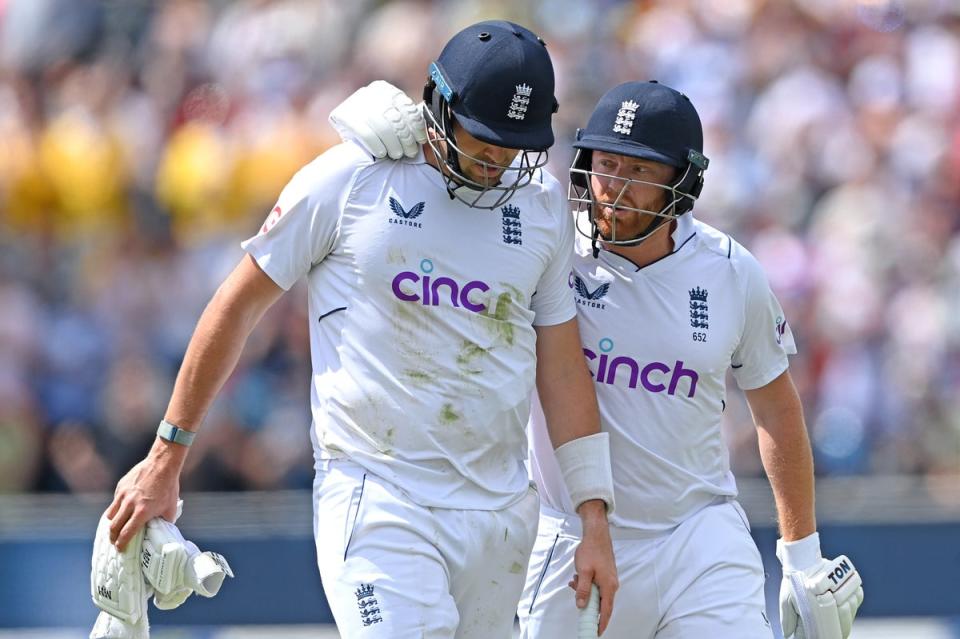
(158, 562)
(116, 580)
(109, 627)
(819, 598)
(176, 568)
(383, 119)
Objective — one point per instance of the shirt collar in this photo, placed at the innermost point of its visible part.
(681, 234)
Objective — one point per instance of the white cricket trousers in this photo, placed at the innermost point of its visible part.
(394, 569)
(700, 580)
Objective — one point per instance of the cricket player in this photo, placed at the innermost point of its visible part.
(666, 306)
(438, 295)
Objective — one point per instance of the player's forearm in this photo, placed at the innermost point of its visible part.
(786, 456)
(214, 350)
(211, 356)
(569, 404)
(564, 384)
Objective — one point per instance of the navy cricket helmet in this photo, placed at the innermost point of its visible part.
(495, 79)
(646, 120)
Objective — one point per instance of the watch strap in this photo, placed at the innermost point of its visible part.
(175, 434)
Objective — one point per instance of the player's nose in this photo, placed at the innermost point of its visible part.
(614, 189)
(497, 155)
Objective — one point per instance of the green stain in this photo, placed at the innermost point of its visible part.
(469, 352)
(516, 568)
(417, 376)
(501, 313)
(502, 308)
(448, 415)
(395, 255)
(517, 293)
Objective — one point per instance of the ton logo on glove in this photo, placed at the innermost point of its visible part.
(840, 572)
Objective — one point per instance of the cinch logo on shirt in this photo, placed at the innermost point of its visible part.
(586, 297)
(405, 217)
(430, 290)
(655, 377)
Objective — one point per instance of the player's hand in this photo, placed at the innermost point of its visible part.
(151, 489)
(819, 598)
(594, 561)
(383, 119)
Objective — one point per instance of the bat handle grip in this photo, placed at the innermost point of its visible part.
(589, 621)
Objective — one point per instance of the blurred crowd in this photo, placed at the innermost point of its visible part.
(141, 141)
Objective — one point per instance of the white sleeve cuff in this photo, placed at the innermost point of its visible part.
(585, 465)
(800, 554)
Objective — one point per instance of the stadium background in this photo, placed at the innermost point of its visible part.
(142, 140)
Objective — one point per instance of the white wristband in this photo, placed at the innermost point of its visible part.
(800, 554)
(585, 465)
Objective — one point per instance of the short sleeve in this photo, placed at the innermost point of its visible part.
(761, 355)
(554, 304)
(302, 228)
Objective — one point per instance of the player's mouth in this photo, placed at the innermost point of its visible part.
(489, 171)
(611, 212)
(486, 175)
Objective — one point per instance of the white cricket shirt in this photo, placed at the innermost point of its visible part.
(658, 342)
(421, 319)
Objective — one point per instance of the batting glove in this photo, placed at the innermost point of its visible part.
(176, 568)
(383, 119)
(109, 627)
(116, 579)
(118, 588)
(158, 561)
(819, 598)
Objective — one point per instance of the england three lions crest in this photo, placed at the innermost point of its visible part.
(699, 313)
(521, 100)
(368, 605)
(625, 117)
(512, 228)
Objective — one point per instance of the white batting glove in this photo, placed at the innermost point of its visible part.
(158, 561)
(819, 598)
(383, 119)
(118, 588)
(109, 627)
(176, 568)
(116, 580)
